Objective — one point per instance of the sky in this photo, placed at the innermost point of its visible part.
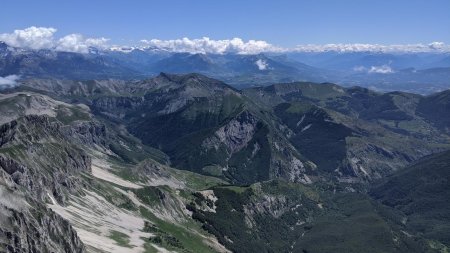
(283, 22)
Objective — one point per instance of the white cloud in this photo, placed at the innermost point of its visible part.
(77, 43)
(43, 38)
(207, 45)
(262, 64)
(31, 37)
(384, 69)
(8, 81)
(437, 45)
(401, 48)
(237, 45)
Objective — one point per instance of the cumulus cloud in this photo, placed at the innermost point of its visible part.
(31, 37)
(43, 38)
(384, 69)
(207, 45)
(437, 45)
(77, 43)
(262, 64)
(8, 81)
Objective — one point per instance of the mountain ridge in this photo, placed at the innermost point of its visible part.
(420, 72)
(187, 163)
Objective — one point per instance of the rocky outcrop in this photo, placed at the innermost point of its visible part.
(45, 158)
(26, 225)
(38, 230)
(41, 162)
(45, 186)
(88, 133)
(116, 107)
(235, 134)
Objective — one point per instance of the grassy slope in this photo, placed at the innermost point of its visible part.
(421, 192)
(287, 217)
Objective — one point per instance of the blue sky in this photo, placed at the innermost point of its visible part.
(283, 23)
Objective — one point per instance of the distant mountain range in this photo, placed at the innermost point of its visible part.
(414, 72)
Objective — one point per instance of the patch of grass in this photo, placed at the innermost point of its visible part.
(68, 115)
(175, 236)
(14, 151)
(110, 194)
(148, 248)
(120, 238)
(213, 170)
(237, 189)
(300, 108)
(150, 195)
(196, 181)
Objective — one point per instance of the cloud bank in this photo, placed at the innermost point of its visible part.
(32, 37)
(207, 45)
(44, 38)
(77, 43)
(405, 48)
(8, 81)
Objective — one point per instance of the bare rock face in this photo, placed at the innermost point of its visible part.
(272, 205)
(116, 107)
(41, 185)
(37, 230)
(45, 162)
(42, 165)
(235, 135)
(27, 225)
(238, 132)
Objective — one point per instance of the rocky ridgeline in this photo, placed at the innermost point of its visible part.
(43, 164)
(35, 228)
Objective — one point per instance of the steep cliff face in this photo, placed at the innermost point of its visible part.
(35, 228)
(26, 224)
(38, 165)
(44, 161)
(235, 135)
(41, 162)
